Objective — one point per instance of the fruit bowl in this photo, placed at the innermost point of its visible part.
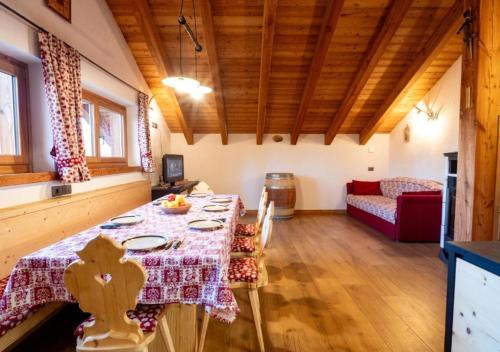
(181, 209)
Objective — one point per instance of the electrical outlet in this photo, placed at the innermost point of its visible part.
(154, 125)
(371, 168)
(61, 190)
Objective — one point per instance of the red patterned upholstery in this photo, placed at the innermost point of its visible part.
(243, 270)
(247, 230)
(396, 186)
(146, 314)
(380, 206)
(243, 244)
(10, 320)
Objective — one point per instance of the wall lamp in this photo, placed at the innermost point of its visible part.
(431, 114)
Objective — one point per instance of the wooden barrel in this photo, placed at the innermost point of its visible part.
(280, 187)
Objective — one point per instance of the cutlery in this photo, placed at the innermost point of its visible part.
(169, 245)
(177, 245)
(110, 225)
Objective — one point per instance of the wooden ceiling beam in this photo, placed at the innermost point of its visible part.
(144, 19)
(266, 53)
(213, 63)
(422, 60)
(387, 27)
(330, 20)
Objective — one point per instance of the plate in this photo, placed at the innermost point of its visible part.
(127, 220)
(221, 200)
(198, 195)
(145, 243)
(205, 224)
(215, 208)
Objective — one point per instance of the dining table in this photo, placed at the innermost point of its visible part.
(195, 273)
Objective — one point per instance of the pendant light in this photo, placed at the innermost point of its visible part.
(199, 92)
(180, 83)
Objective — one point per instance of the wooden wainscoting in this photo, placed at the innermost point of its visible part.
(29, 227)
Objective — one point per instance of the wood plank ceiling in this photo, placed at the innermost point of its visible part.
(294, 66)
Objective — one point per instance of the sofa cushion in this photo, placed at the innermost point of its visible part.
(394, 187)
(366, 188)
(380, 206)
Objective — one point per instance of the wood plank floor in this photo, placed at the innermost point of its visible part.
(335, 285)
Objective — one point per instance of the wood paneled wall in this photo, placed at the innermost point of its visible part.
(478, 144)
(27, 228)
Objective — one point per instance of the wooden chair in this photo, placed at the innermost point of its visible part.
(107, 285)
(249, 273)
(243, 246)
(202, 187)
(253, 230)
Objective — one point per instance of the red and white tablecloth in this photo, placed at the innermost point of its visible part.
(196, 273)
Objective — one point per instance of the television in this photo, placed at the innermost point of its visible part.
(173, 168)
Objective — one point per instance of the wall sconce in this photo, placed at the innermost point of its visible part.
(431, 114)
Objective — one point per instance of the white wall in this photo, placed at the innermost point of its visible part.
(92, 20)
(321, 171)
(422, 156)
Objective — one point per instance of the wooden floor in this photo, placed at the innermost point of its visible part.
(335, 285)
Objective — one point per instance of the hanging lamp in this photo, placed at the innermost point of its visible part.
(182, 84)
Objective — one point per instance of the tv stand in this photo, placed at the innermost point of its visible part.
(173, 187)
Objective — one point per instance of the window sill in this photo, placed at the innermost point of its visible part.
(36, 177)
(104, 171)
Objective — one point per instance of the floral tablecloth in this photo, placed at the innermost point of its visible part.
(195, 273)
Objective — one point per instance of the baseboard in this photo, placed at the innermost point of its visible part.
(308, 212)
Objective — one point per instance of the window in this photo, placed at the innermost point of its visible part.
(14, 153)
(104, 131)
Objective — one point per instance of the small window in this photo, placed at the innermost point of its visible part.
(104, 131)
(111, 133)
(87, 122)
(14, 153)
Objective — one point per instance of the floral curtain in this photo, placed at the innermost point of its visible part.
(147, 162)
(62, 78)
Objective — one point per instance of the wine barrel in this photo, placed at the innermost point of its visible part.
(280, 187)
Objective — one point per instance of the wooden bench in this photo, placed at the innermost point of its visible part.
(27, 228)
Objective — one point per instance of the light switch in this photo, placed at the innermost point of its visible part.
(371, 150)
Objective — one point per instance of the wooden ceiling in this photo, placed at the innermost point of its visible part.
(294, 66)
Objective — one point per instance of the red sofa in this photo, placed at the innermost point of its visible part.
(406, 209)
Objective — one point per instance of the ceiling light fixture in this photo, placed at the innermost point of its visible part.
(199, 92)
(183, 84)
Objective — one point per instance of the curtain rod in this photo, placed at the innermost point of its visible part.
(40, 28)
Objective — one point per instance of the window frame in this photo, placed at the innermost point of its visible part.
(12, 164)
(97, 161)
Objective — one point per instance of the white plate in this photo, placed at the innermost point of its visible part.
(221, 200)
(205, 224)
(127, 220)
(215, 208)
(198, 195)
(144, 243)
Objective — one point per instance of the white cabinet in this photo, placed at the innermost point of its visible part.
(473, 300)
(476, 312)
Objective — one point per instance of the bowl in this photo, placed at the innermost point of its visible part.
(183, 209)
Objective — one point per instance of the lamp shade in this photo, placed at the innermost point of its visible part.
(181, 84)
(200, 91)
